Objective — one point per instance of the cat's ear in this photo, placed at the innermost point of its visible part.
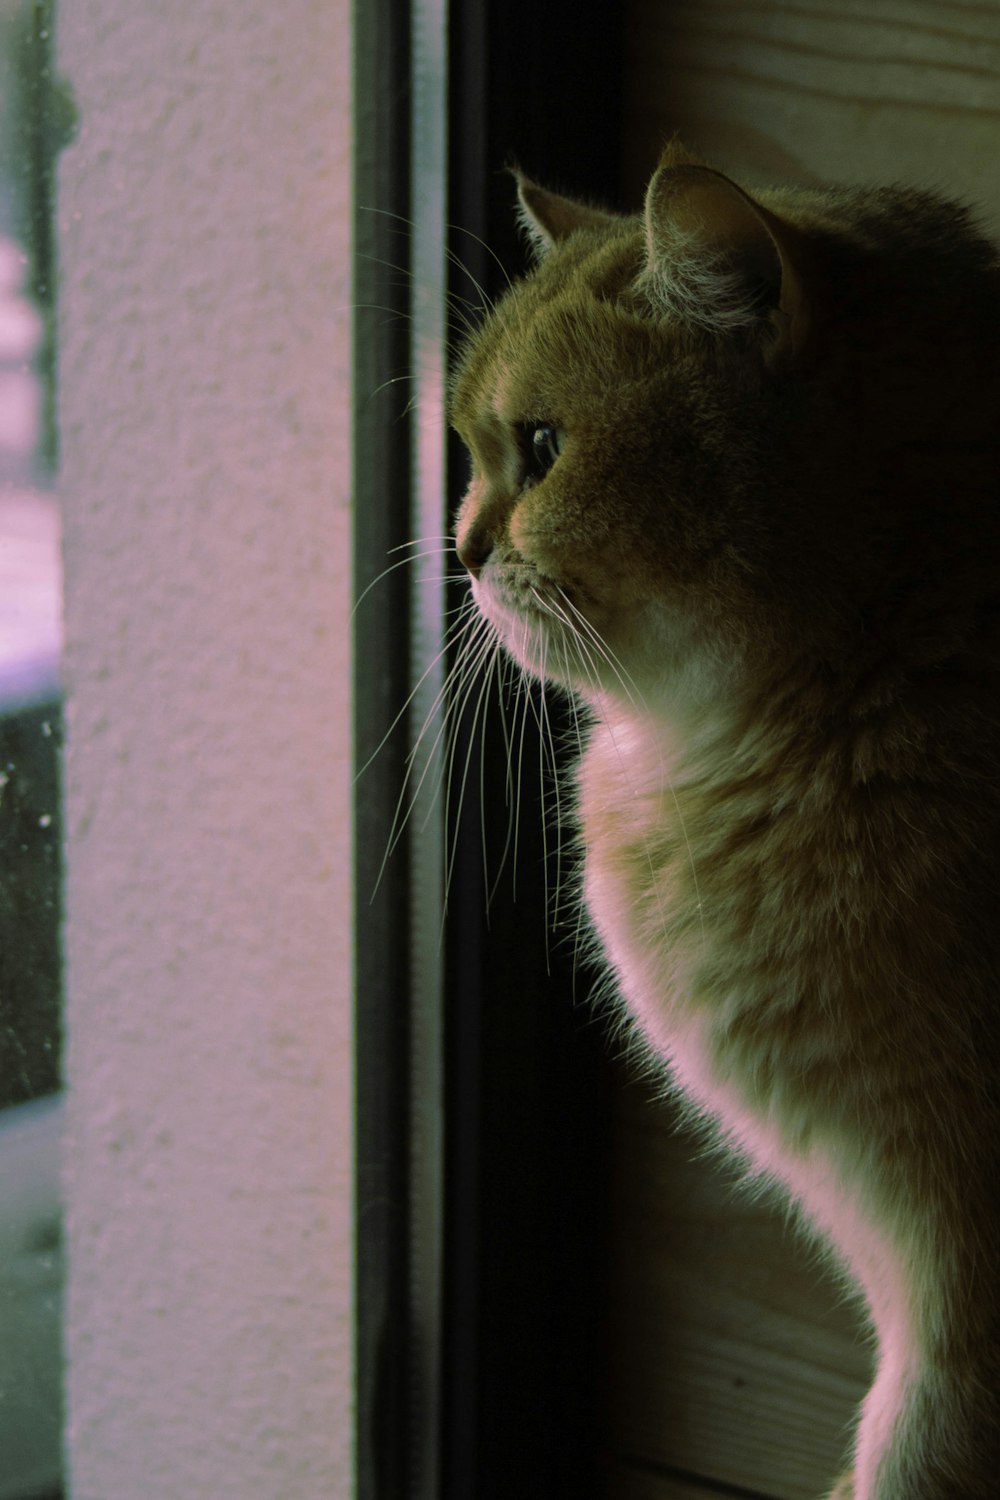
(547, 218)
(717, 259)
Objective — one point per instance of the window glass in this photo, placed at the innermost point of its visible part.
(34, 114)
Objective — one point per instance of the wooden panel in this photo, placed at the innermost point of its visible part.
(732, 1354)
(850, 91)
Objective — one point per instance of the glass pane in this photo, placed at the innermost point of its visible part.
(30, 741)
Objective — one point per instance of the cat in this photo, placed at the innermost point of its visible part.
(735, 484)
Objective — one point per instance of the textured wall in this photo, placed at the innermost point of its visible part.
(204, 222)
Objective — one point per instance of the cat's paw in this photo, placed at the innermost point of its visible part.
(844, 1488)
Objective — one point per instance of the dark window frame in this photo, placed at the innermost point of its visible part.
(516, 1330)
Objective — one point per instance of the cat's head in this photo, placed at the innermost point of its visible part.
(713, 439)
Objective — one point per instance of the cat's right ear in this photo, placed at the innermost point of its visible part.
(717, 259)
(548, 218)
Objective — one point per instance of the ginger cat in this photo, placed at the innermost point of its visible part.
(736, 484)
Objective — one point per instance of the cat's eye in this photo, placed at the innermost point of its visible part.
(544, 443)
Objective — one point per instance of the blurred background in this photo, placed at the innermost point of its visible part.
(30, 738)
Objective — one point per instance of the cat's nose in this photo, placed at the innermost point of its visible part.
(474, 548)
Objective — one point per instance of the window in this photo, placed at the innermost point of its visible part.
(34, 119)
(479, 1094)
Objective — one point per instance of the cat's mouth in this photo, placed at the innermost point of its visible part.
(543, 623)
(519, 591)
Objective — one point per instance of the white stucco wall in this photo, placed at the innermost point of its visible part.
(203, 239)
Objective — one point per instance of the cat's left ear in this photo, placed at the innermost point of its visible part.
(719, 260)
(547, 218)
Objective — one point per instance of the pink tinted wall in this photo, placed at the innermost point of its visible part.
(204, 222)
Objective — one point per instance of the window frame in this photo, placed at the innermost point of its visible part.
(477, 1373)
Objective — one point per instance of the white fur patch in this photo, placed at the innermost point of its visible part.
(698, 287)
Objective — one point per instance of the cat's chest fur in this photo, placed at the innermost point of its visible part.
(727, 920)
(642, 891)
(750, 1021)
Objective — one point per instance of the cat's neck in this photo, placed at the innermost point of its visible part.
(670, 736)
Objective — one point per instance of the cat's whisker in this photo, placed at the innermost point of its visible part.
(546, 738)
(541, 718)
(625, 680)
(493, 674)
(406, 379)
(634, 697)
(461, 229)
(486, 304)
(463, 310)
(455, 682)
(401, 313)
(505, 691)
(577, 732)
(387, 213)
(407, 223)
(400, 714)
(405, 562)
(476, 664)
(488, 649)
(409, 793)
(444, 759)
(452, 255)
(524, 698)
(490, 675)
(452, 298)
(446, 539)
(430, 667)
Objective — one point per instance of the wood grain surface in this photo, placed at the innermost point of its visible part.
(734, 1354)
(857, 91)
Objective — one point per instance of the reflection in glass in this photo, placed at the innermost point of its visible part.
(30, 739)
